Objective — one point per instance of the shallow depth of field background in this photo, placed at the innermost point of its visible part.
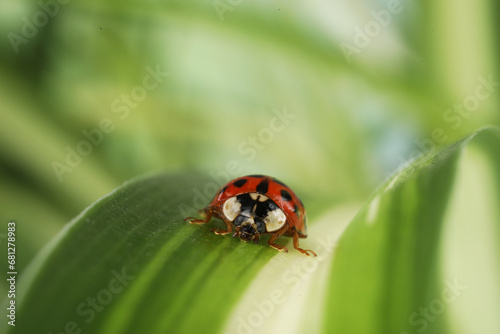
(241, 87)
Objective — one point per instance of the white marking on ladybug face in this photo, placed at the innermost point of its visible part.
(275, 220)
(231, 208)
(258, 197)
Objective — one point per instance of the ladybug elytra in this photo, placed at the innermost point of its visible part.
(254, 205)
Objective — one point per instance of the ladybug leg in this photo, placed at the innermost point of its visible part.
(219, 231)
(274, 245)
(296, 245)
(194, 220)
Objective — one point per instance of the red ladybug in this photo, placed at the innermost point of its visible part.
(256, 204)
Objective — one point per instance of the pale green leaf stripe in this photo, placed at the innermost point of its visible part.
(185, 279)
(287, 296)
(395, 271)
(471, 247)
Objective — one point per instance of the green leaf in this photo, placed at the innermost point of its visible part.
(423, 254)
(130, 264)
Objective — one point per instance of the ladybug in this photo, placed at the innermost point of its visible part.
(257, 204)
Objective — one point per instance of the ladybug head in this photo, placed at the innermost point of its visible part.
(248, 229)
(247, 232)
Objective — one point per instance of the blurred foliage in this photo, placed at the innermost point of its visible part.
(353, 122)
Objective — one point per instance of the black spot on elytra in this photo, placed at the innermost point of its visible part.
(256, 175)
(286, 195)
(240, 183)
(262, 187)
(296, 210)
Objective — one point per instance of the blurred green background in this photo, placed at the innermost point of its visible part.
(316, 93)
